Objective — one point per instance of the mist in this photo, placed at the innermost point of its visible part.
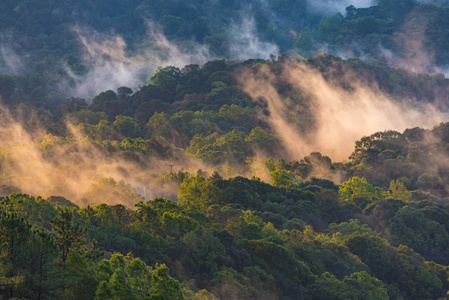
(329, 119)
(245, 42)
(10, 60)
(338, 6)
(37, 163)
(435, 2)
(315, 115)
(111, 64)
(412, 38)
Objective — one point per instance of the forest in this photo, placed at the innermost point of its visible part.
(224, 149)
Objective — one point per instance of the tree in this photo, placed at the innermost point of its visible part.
(86, 116)
(73, 105)
(198, 191)
(106, 102)
(119, 286)
(357, 187)
(396, 9)
(123, 277)
(124, 92)
(351, 12)
(159, 125)
(28, 260)
(167, 79)
(7, 86)
(411, 227)
(110, 191)
(304, 42)
(250, 227)
(69, 236)
(229, 284)
(127, 126)
(171, 24)
(327, 286)
(15, 235)
(260, 139)
(284, 179)
(164, 287)
(81, 276)
(369, 148)
(61, 201)
(329, 27)
(398, 191)
(363, 286)
(44, 275)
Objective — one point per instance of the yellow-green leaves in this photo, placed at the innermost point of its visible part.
(357, 187)
(398, 191)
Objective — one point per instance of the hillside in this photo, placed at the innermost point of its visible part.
(54, 50)
(161, 175)
(269, 149)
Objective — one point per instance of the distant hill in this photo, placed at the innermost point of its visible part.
(59, 49)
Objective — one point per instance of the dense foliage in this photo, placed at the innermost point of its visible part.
(43, 57)
(383, 233)
(184, 188)
(230, 238)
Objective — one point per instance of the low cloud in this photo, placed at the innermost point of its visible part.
(320, 116)
(338, 6)
(111, 64)
(245, 42)
(411, 37)
(37, 163)
(435, 2)
(10, 60)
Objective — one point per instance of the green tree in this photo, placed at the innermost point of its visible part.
(327, 286)
(284, 179)
(250, 227)
(363, 286)
(198, 191)
(398, 191)
(168, 79)
(230, 284)
(15, 235)
(127, 126)
(124, 277)
(43, 276)
(171, 24)
(356, 188)
(70, 236)
(304, 42)
(410, 227)
(28, 261)
(329, 27)
(389, 144)
(111, 191)
(119, 286)
(106, 102)
(81, 276)
(395, 9)
(164, 287)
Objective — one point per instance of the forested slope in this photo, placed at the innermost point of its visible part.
(234, 238)
(52, 50)
(223, 150)
(185, 188)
